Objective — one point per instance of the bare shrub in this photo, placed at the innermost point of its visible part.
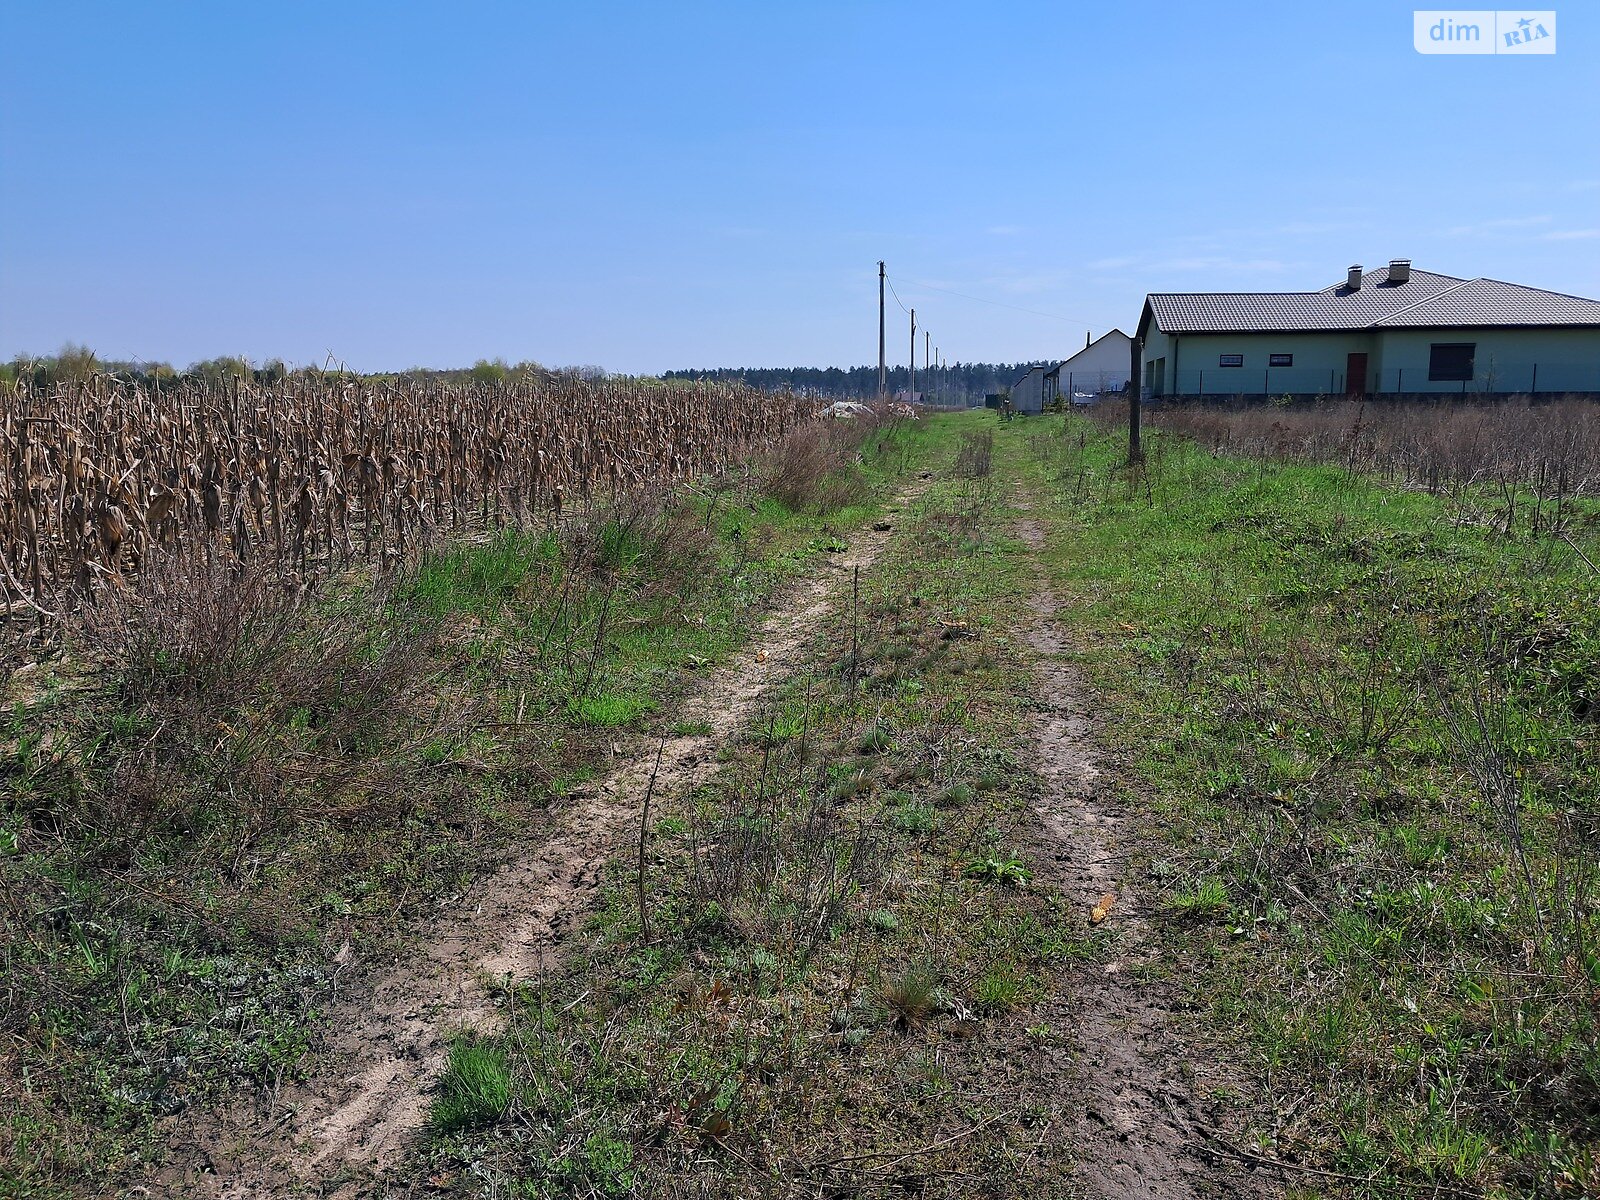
(245, 699)
(1560, 878)
(813, 466)
(975, 458)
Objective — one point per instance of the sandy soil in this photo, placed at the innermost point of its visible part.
(338, 1133)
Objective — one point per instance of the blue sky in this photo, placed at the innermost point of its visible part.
(653, 185)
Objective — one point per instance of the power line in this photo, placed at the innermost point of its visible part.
(998, 304)
(897, 299)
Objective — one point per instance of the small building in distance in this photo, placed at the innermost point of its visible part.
(1103, 365)
(1393, 331)
(1038, 387)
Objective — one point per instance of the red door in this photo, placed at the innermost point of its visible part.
(1355, 375)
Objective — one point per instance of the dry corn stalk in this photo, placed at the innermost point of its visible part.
(103, 478)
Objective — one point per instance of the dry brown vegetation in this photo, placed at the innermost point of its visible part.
(240, 763)
(104, 480)
(1552, 449)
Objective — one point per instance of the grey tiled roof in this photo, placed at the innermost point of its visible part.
(1491, 302)
(1425, 299)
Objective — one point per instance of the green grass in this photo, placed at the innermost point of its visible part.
(1321, 685)
(474, 1088)
(481, 579)
(998, 990)
(819, 967)
(1208, 898)
(174, 902)
(608, 710)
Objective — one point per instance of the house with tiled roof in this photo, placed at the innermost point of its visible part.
(1394, 331)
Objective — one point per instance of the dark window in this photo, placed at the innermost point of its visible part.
(1450, 361)
(1280, 360)
(1230, 360)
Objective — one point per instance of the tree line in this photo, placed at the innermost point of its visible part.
(74, 362)
(956, 383)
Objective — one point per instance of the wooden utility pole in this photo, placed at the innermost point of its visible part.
(911, 387)
(883, 373)
(1135, 383)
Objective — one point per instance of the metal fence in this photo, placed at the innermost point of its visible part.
(1489, 379)
(1086, 387)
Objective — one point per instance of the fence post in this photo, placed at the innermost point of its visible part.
(1400, 381)
(1202, 388)
(1135, 399)
(1534, 386)
(1266, 382)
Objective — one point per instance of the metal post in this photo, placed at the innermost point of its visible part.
(1534, 386)
(911, 385)
(1135, 386)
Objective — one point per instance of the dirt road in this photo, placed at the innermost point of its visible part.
(1138, 1131)
(340, 1131)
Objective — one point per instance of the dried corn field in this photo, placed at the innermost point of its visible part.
(104, 480)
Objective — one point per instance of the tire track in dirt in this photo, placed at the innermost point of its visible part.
(1138, 1131)
(339, 1132)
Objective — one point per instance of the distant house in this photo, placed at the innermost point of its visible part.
(1391, 331)
(1038, 387)
(1103, 365)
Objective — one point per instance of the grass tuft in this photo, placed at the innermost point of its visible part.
(474, 1088)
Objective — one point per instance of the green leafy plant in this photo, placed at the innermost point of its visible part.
(914, 818)
(1008, 871)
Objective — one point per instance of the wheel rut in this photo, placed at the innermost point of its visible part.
(341, 1132)
(1139, 1131)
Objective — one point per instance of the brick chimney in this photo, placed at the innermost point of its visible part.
(1353, 279)
(1399, 270)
